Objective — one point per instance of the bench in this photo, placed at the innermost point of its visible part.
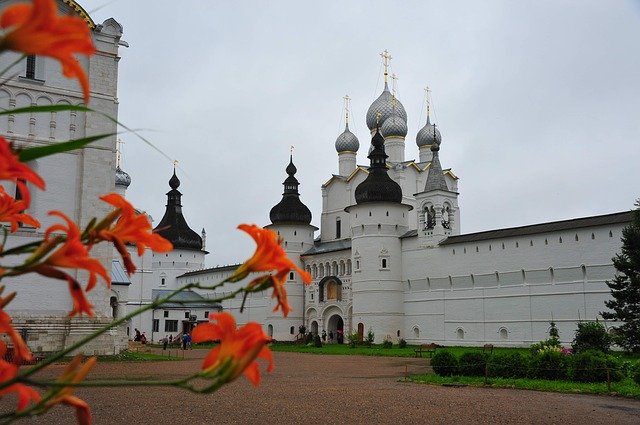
(487, 349)
(426, 348)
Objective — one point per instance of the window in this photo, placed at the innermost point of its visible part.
(290, 275)
(291, 330)
(384, 263)
(162, 281)
(156, 325)
(338, 228)
(206, 314)
(171, 326)
(166, 313)
(30, 72)
(186, 314)
(311, 296)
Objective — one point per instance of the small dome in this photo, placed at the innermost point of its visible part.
(122, 178)
(426, 136)
(290, 209)
(384, 104)
(394, 126)
(378, 186)
(347, 141)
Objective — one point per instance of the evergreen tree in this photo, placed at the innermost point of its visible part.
(625, 287)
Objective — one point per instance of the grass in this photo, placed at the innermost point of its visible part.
(132, 356)
(626, 387)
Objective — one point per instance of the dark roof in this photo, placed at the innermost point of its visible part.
(554, 226)
(173, 225)
(211, 269)
(378, 186)
(290, 209)
(323, 247)
(184, 299)
(435, 178)
(118, 274)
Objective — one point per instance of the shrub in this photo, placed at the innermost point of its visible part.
(549, 364)
(353, 338)
(316, 341)
(444, 363)
(472, 364)
(508, 365)
(635, 373)
(592, 366)
(387, 343)
(551, 344)
(370, 337)
(402, 343)
(308, 338)
(591, 336)
(553, 331)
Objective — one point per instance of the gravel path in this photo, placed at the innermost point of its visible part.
(321, 389)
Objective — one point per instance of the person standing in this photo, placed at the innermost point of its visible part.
(185, 338)
(324, 335)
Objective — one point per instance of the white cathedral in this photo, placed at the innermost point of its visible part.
(388, 257)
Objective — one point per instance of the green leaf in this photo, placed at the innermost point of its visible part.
(30, 154)
(46, 108)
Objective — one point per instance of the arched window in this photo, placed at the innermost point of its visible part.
(429, 217)
(460, 333)
(416, 332)
(504, 334)
(446, 213)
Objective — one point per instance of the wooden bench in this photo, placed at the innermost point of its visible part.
(487, 349)
(426, 348)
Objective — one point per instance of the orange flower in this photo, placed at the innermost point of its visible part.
(20, 350)
(12, 169)
(9, 371)
(269, 256)
(73, 375)
(238, 348)
(11, 212)
(131, 227)
(38, 30)
(74, 255)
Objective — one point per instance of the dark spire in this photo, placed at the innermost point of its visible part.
(378, 186)
(435, 179)
(173, 225)
(290, 209)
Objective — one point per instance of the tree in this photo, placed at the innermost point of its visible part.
(625, 287)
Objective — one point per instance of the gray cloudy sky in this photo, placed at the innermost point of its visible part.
(538, 102)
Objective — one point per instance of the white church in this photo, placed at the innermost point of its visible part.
(388, 255)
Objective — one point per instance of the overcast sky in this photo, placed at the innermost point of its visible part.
(538, 102)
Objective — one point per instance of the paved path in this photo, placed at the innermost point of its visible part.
(321, 389)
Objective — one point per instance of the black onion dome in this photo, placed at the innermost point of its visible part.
(173, 225)
(290, 209)
(378, 186)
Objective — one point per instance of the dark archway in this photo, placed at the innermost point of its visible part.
(330, 288)
(335, 327)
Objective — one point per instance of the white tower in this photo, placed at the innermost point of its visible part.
(347, 145)
(290, 219)
(378, 219)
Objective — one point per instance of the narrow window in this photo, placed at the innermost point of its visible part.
(156, 325)
(338, 228)
(290, 275)
(291, 330)
(166, 313)
(560, 239)
(384, 263)
(206, 314)
(502, 245)
(577, 237)
(593, 236)
(610, 234)
(186, 314)
(30, 72)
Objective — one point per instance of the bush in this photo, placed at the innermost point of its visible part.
(592, 366)
(472, 364)
(387, 343)
(508, 365)
(316, 341)
(591, 336)
(551, 344)
(444, 363)
(370, 337)
(308, 338)
(354, 339)
(635, 373)
(402, 343)
(549, 364)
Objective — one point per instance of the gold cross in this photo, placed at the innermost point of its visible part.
(427, 90)
(346, 108)
(386, 58)
(119, 144)
(394, 82)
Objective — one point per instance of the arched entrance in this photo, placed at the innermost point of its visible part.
(314, 327)
(335, 327)
(360, 331)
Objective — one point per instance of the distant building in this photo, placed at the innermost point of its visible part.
(75, 180)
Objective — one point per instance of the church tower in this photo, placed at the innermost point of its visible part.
(188, 253)
(291, 220)
(347, 145)
(378, 219)
(438, 214)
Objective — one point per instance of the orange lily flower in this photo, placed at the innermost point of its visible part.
(38, 30)
(11, 211)
(72, 254)
(9, 371)
(73, 375)
(239, 348)
(12, 169)
(269, 256)
(20, 349)
(131, 227)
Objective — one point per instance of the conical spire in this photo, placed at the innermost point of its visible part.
(173, 225)
(435, 179)
(290, 209)
(378, 186)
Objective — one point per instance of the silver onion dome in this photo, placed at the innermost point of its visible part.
(384, 104)
(394, 126)
(426, 135)
(122, 178)
(347, 141)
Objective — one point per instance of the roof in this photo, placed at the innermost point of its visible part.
(81, 12)
(554, 226)
(184, 299)
(118, 275)
(324, 247)
(210, 270)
